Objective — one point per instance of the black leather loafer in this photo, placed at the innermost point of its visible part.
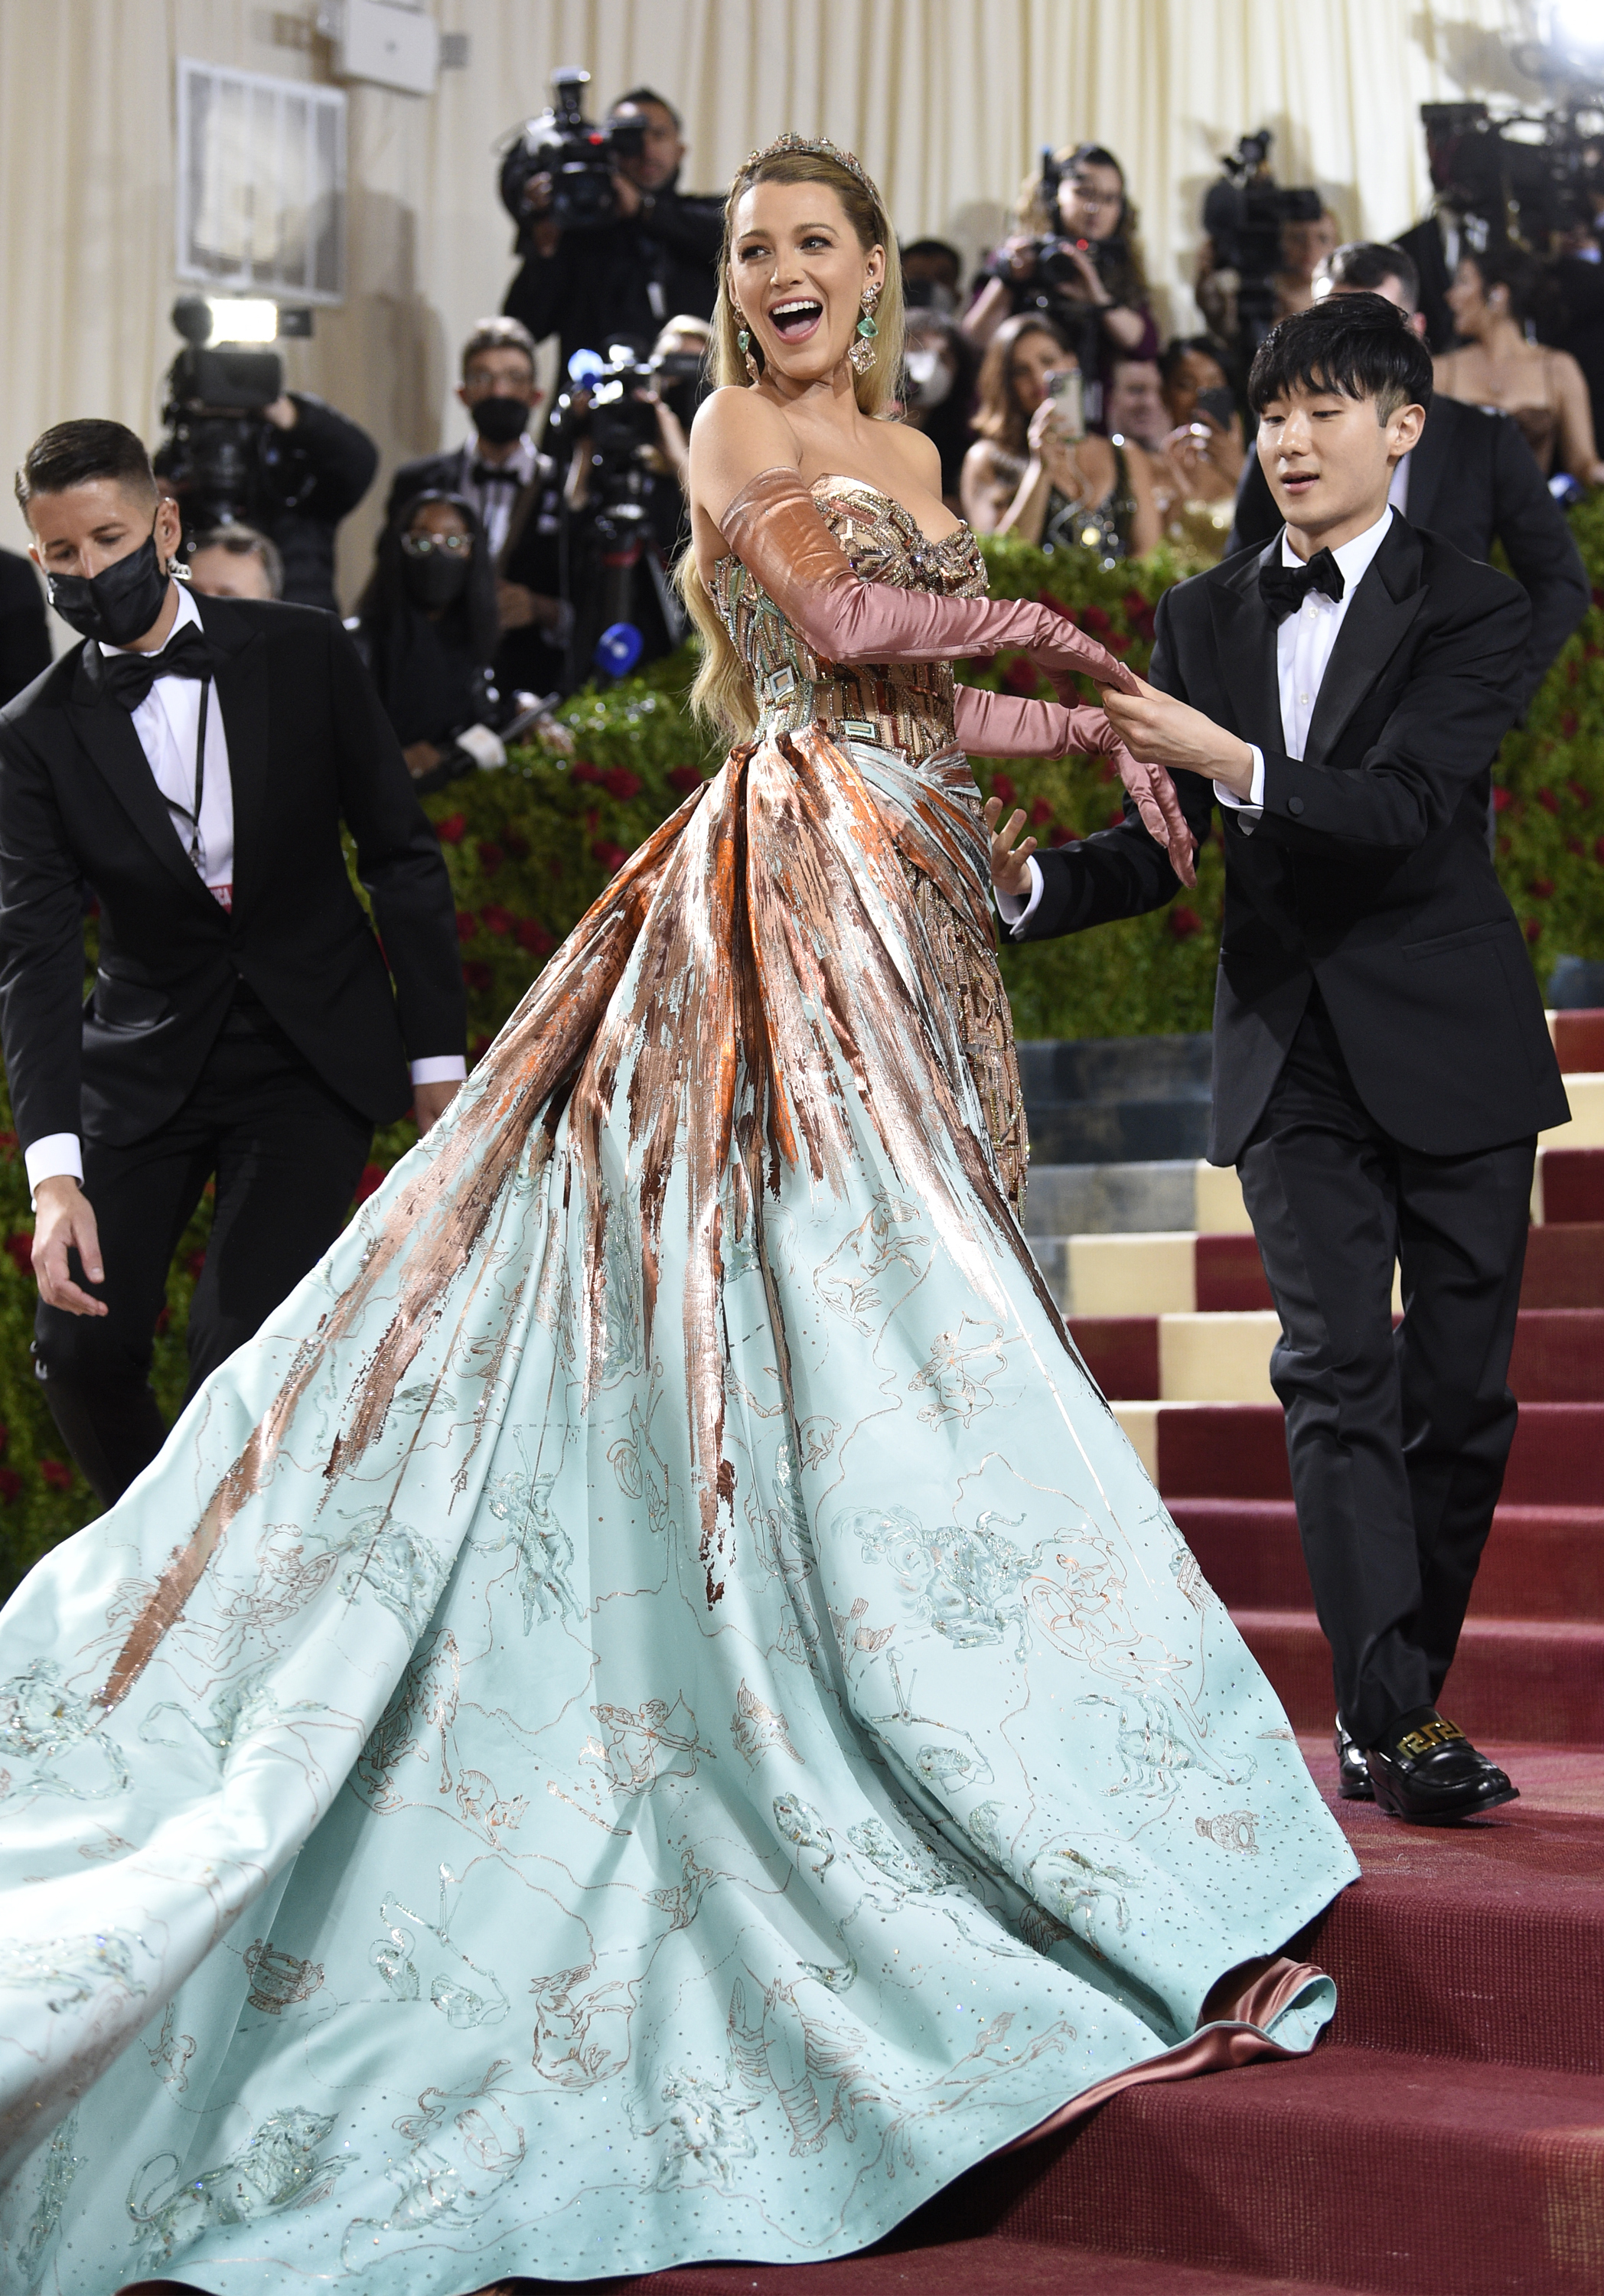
(1427, 1772)
(1352, 1771)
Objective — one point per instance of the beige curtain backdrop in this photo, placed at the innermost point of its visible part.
(947, 102)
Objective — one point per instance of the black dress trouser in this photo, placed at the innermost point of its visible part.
(286, 1153)
(1398, 1441)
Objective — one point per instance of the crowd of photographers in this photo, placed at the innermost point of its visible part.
(536, 554)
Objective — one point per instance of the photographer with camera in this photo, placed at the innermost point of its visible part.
(611, 247)
(242, 450)
(516, 493)
(1074, 261)
(1262, 245)
(628, 424)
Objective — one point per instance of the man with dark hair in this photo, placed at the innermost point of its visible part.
(517, 491)
(235, 561)
(1472, 479)
(192, 762)
(932, 272)
(1381, 1065)
(619, 281)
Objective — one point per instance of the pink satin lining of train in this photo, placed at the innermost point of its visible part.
(1215, 2048)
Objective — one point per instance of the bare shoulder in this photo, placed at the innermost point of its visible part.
(737, 431)
(911, 452)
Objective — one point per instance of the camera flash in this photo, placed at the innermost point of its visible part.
(245, 320)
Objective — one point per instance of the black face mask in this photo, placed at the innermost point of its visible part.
(437, 581)
(121, 602)
(497, 420)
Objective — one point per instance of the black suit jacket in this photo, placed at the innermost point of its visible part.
(1473, 480)
(1368, 871)
(24, 632)
(308, 747)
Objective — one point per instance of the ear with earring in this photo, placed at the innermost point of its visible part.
(743, 342)
(861, 356)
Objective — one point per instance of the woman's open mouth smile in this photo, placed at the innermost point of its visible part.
(797, 318)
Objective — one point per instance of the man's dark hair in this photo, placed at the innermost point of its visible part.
(76, 453)
(244, 542)
(1360, 345)
(1366, 263)
(941, 247)
(646, 95)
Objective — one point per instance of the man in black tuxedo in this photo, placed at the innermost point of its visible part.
(518, 493)
(190, 765)
(1381, 1065)
(1472, 479)
(24, 633)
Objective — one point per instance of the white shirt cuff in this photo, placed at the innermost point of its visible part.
(1254, 802)
(439, 1068)
(57, 1156)
(1015, 911)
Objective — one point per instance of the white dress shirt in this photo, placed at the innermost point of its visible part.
(167, 722)
(494, 498)
(1303, 649)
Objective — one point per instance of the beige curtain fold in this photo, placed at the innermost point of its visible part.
(948, 102)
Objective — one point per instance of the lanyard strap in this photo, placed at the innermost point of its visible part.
(193, 819)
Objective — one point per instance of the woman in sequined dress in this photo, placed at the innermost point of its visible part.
(653, 1715)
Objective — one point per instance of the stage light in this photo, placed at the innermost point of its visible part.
(202, 320)
(1578, 26)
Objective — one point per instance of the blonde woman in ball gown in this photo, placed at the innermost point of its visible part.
(653, 1714)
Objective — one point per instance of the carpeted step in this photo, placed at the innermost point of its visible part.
(1239, 1451)
(1572, 1186)
(1564, 1265)
(1540, 1680)
(1389, 2171)
(1451, 1944)
(1230, 1274)
(1558, 1354)
(959, 2267)
(1578, 1035)
(1539, 1563)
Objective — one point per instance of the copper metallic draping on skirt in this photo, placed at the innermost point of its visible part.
(779, 907)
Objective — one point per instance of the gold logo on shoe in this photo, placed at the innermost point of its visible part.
(1416, 1743)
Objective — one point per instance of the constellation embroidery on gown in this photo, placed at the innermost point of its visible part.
(653, 1714)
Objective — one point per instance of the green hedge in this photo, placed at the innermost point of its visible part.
(530, 847)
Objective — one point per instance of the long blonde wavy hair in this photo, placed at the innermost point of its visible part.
(723, 691)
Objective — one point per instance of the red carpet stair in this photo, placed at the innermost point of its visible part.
(1446, 2139)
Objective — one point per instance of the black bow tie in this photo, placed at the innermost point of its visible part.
(128, 677)
(1284, 589)
(496, 474)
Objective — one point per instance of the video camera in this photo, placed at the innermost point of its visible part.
(579, 158)
(1244, 214)
(218, 440)
(1502, 180)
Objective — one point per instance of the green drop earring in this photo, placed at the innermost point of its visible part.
(743, 343)
(861, 356)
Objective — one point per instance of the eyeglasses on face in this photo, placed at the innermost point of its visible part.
(1090, 196)
(424, 546)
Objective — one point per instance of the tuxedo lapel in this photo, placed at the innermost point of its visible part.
(106, 730)
(1386, 600)
(1428, 464)
(239, 649)
(1245, 635)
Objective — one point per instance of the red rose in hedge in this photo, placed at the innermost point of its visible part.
(532, 936)
(467, 925)
(1501, 798)
(1533, 929)
(21, 1248)
(56, 1475)
(611, 857)
(1093, 619)
(685, 778)
(1546, 797)
(1003, 787)
(497, 920)
(1542, 888)
(1020, 677)
(490, 856)
(620, 782)
(452, 829)
(1060, 835)
(1041, 813)
(582, 770)
(11, 1483)
(1184, 921)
